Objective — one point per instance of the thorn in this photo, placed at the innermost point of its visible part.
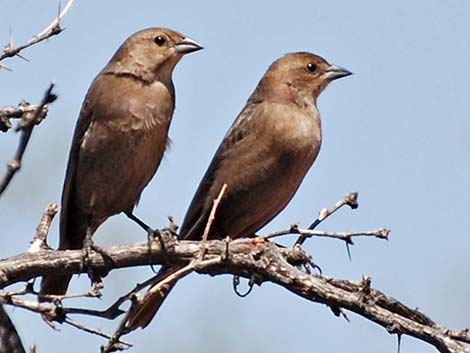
(349, 251)
(10, 44)
(59, 10)
(22, 57)
(5, 68)
(344, 315)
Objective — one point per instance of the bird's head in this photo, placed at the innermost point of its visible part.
(300, 76)
(152, 53)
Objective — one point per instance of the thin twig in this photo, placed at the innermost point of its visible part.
(350, 199)
(56, 22)
(172, 278)
(113, 310)
(40, 240)
(211, 219)
(27, 125)
(94, 331)
(34, 306)
(51, 30)
(48, 310)
(18, 112)
(345, 236)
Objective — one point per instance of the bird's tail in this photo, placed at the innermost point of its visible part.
(54, 285)
(148, 307)
(57, 283)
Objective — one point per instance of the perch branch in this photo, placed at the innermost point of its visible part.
(264, 260)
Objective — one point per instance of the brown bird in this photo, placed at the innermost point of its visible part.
(263, 159)
(120, 137)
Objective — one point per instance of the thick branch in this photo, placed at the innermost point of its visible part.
(265, 262)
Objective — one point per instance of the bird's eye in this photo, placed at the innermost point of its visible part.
(159, 40)
(311, 67)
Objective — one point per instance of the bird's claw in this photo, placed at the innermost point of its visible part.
(88, 248)
(152, 235)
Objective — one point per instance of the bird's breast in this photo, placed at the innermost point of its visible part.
(297, 132)
(149, 109)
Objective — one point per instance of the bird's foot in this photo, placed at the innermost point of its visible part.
(162, 237)
(88, 248)
(296, 256)
(152, 234)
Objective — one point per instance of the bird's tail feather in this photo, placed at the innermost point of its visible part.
(57, 284)
(54, 284)
(148, 307)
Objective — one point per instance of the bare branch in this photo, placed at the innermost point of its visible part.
(122, 344)
(211, 219)
(19, 112)
(263, 261)
(40, 240)
(345, 236)
(350, 199)
(26, 126)
(51, 311)
(51, 30)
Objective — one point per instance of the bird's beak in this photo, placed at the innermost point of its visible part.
(187, 45)
(334, 72)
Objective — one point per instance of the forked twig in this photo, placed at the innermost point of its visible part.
(27, 124)
(350, 199)
(380, 233)
(51, 30)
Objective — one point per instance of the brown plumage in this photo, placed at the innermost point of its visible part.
(120, 136)
(263, 158)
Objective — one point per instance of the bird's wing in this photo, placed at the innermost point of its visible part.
(200, 207)
(83, 124)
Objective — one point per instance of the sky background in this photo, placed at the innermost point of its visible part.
(398, 132)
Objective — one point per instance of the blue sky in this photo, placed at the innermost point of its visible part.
(397, 132)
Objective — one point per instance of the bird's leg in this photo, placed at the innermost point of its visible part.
(151, 235)
(88, 248)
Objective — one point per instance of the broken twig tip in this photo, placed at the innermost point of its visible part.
(351, 200)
